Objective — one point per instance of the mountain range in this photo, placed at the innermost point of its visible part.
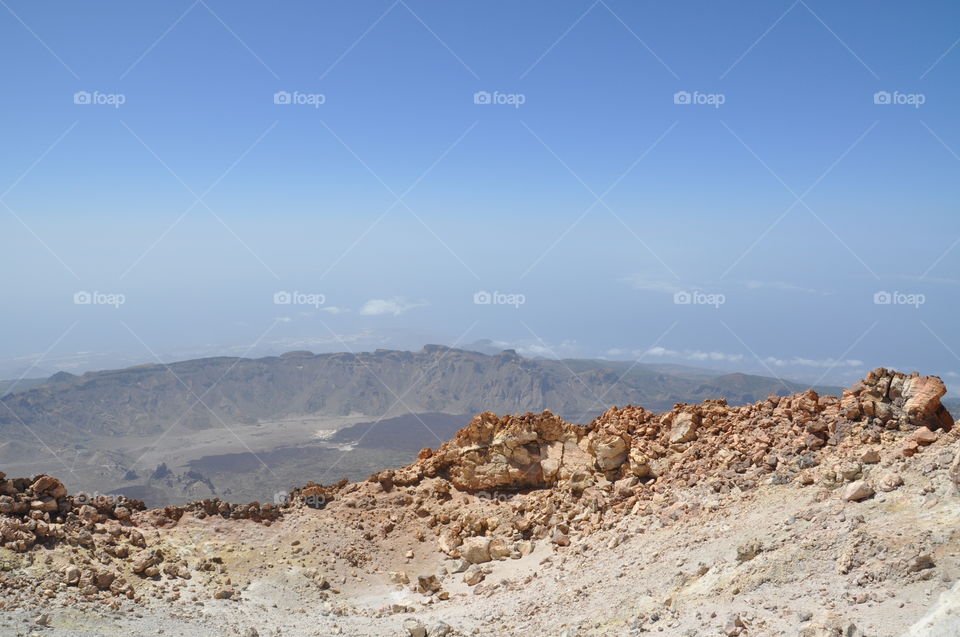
(241, 426)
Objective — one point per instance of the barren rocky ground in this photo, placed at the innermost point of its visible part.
(801, 515)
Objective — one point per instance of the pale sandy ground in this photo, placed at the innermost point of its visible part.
(638, 576)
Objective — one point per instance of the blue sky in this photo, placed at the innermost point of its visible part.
(787, 207)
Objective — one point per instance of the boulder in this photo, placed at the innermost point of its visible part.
(49, 486)
(610, 451)
(684, 428)
(476, 550)
(144, 560)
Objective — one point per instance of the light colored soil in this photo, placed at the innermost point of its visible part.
(640, 575)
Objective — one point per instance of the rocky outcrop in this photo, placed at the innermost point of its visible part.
(712, 441)
(896, 399)
(39, 510)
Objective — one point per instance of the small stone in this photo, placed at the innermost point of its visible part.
(857, 491)
(440, 629)
(734, 625)
(748, 551)
(560, 539)
(684, 428)
(889, 481)
(428, 584)
(924, 436)
(415, 628)
(71, 575)
(921, 562)
(472, 578)
(499, 549)
(225, 593)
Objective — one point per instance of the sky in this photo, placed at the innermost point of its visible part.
(763, 186)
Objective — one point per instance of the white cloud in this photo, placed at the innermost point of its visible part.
(780, 285)
(928, 279)
(340, 342)
(692, 355)
(566, 349)
(641, 282)
(812, 362)
(700, 355)
(538, 348)
(395, 306)
(652, 284)
(333, 309)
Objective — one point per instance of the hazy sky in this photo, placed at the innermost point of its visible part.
(778, 165)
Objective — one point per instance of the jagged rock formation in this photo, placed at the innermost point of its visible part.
(711, 441)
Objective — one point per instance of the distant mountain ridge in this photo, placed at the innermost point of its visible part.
(21, 384)
(147, 399)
